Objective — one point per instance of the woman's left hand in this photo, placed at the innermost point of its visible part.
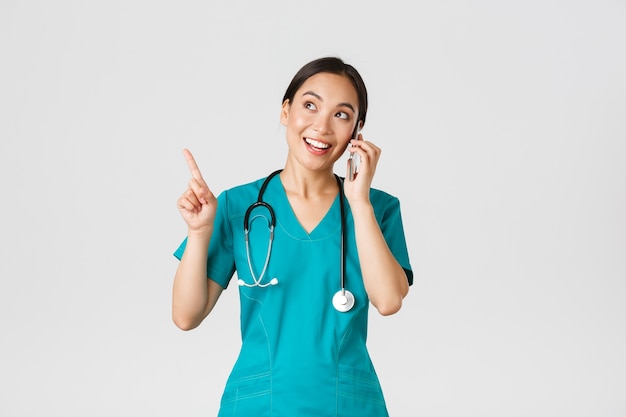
(358, 190)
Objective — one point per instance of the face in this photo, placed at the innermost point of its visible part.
(320, 120)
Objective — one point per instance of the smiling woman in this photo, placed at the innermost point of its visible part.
(314, 251)
(322, 115)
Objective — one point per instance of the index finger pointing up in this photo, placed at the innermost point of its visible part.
(193, 167)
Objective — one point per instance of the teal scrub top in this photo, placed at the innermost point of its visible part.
(299, 356)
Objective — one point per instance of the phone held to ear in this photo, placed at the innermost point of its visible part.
(354, 159)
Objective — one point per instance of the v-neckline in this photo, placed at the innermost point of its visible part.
(287, 218)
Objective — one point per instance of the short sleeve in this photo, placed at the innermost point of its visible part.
(221, 261)
(393, 231)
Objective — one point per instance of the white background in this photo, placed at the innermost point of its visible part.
(503, 132)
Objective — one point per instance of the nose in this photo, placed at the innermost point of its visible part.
(322, 124)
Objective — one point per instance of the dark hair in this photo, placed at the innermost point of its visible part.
(331, 65)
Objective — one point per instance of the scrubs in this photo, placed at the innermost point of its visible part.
(299, 356)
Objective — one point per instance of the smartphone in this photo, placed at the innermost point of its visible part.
(354, 159)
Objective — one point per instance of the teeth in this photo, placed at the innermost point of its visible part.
(316, 144)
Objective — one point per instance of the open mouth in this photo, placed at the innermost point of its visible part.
(316, 145)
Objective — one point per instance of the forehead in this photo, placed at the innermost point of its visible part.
(330, 87)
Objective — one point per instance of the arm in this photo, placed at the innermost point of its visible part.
(194, 295)
(384, 278)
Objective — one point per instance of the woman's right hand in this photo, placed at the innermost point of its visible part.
(197, 205)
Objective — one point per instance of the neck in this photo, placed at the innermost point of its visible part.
(307, 183)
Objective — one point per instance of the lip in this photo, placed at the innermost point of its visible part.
(314, 150)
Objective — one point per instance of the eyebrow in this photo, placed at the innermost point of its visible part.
(311, 93)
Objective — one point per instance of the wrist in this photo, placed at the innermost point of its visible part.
(360, 208)
(202, 234)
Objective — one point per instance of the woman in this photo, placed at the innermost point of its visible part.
(337, 246)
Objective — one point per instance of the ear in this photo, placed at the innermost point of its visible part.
(284, 112)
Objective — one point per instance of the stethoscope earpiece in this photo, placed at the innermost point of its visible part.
(242, 283)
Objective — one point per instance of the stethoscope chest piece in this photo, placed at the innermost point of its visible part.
(343, 300)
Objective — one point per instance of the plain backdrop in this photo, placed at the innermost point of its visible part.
(503, 129)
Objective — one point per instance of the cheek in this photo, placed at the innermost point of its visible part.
(347, 133)
(297, 121)
(344, 142)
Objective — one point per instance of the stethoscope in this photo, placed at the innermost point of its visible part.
(343, 300)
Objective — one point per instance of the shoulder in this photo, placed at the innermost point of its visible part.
(243, 194)
(381, 199)
(251, 187)
(386, 206)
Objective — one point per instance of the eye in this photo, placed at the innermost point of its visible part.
(310, 106)
(342, 115)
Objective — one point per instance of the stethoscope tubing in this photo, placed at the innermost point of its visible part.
(343, 300)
